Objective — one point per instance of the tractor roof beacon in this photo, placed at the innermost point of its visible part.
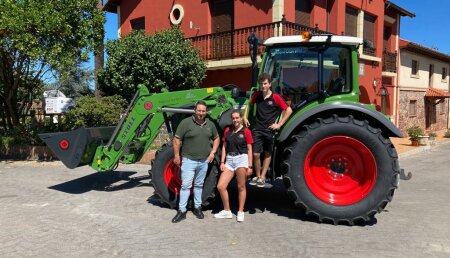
(333, 155)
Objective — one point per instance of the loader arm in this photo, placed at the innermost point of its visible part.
(146, 114)
(103, 147)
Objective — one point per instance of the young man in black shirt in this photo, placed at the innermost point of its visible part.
(269, 106)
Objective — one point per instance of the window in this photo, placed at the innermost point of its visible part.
(412, 109)
(351, 21)
(295, 72)
(414, 67)
(444, 73)
(138, 24)
(369, 27)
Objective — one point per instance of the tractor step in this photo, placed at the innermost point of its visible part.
(77, 148)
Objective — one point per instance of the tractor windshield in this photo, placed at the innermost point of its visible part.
(295, 71)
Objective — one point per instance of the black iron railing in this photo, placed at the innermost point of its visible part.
(370, 51)
(389, 61)
(233, 43)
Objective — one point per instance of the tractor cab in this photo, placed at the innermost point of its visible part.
(307, 69)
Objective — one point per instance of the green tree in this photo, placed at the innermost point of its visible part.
(163, 60)
(37, 36)
(74, 82)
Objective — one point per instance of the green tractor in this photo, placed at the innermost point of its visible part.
(333, 155)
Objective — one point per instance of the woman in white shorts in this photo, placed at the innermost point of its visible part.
(236, 157)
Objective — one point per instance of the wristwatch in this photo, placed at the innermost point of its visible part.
(250, 167)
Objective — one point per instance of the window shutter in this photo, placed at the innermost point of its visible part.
(221, 15)
(351, 19)
(386, 36)
(303, 12)
(369, 27)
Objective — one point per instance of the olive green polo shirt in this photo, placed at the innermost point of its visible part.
(196, 138)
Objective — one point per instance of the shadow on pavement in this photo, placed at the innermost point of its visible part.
(102, 181)
(272, 198)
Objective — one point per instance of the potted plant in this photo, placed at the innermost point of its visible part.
(447, 134)
(414, 134)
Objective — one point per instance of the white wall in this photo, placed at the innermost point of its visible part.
(420, 81)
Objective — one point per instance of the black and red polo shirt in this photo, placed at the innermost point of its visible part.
(267, 110)
(237, 142)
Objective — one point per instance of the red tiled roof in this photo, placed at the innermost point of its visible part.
(426, 51)
(434, 93)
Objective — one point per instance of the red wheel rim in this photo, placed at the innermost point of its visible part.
(340, 170)
(172, 177)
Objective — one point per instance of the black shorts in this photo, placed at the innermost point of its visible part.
(262, 141)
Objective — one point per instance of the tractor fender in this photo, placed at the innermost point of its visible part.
(356, 109)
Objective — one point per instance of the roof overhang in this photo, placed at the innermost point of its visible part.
(434, 93)
(344, 40)
(111, 6)
(419, 49)
(398, 9)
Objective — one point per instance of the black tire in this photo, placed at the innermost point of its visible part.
(305, 187)
(163, 158)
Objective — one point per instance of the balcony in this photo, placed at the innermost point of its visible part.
(369, 51)
(389, 61)
(232, 44)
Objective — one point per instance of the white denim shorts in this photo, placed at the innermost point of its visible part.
(234, 162)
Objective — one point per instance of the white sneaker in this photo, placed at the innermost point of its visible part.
(240, 216)
(223, 215)
(253, 181)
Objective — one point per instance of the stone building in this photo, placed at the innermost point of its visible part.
(423, 83)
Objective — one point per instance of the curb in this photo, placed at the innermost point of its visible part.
(421, 149)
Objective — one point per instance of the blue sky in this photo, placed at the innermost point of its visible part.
(429, 28)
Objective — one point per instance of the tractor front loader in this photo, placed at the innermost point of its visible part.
(333, 154)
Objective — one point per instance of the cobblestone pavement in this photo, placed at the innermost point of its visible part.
(50, 211)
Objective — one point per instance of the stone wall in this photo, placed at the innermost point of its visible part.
(437, 122)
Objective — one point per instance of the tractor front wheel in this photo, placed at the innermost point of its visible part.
(167, 182)
(341, 169)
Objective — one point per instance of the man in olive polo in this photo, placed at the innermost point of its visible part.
(194, 134)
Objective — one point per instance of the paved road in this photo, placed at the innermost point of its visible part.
(50, 211)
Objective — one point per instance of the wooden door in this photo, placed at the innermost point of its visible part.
(430, 113)
(222, 16)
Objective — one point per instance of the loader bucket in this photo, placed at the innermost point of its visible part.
(77, 148)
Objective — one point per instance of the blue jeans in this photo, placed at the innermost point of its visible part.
(192, 170)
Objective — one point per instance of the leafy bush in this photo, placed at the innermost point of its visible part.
(414, 133)
(163, 60)
(92, 112)
(27, 134)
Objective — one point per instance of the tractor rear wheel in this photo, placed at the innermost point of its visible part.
(167, 182)
(341, 169)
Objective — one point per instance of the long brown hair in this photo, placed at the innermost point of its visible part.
(235, 111)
